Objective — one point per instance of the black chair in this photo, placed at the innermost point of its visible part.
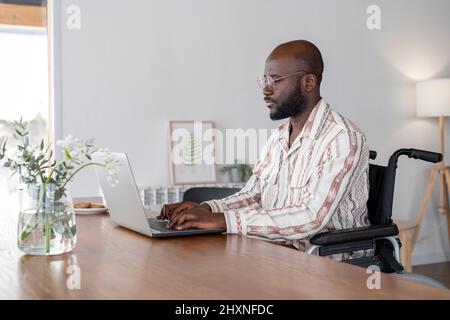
(381, 235)
(200, 194)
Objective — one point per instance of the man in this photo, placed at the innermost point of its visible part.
(313, 172)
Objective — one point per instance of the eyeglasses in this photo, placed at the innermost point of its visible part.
(268, 81)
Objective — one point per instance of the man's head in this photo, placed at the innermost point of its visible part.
(302, 63)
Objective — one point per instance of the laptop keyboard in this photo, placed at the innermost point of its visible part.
(159, 225)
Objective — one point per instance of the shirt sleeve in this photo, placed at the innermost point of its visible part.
(343, 160)
(249, 196)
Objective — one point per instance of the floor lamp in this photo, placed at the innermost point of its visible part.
(433, 100)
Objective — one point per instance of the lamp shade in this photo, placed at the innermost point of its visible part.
(433, 98)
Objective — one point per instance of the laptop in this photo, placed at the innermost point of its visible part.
(125, 205)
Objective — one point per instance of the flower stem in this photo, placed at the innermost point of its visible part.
(29, 229)
(47, 232)
(52, 170)
(85, 165)
(25, 233)
(47, 212)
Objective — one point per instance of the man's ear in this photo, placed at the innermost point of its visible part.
(309, 82)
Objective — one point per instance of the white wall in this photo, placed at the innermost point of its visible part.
(134, 65)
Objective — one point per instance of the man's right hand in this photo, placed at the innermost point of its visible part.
(170, 210)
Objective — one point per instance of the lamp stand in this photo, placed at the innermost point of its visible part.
(444, 173)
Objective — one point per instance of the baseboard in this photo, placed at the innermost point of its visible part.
(432, 257)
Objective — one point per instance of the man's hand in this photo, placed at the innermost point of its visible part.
(170, 210)
(197, 218)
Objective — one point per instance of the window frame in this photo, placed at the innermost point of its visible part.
(24, 13)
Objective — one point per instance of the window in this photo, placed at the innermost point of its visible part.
(24, 79)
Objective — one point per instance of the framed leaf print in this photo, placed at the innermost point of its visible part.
(192, 152)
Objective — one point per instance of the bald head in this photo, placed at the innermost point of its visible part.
(293, 72)
(300, 55)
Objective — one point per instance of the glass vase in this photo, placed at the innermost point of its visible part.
(46, 220)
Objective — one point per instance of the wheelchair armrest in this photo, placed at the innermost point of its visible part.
(355, 234)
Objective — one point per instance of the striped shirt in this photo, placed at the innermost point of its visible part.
(320, 183)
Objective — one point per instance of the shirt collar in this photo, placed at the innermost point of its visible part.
(311, 128)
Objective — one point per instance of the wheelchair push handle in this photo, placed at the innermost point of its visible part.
(426, 155)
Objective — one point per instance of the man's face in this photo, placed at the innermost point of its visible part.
(286, 98)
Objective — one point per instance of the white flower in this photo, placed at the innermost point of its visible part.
(16, 156)
(74, 148)
(112, 165)
(34, 150)
(66, 143)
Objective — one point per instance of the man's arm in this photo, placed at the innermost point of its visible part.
(317, 200)
(248, 197)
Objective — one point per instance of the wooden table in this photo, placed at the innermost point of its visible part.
(116, 263)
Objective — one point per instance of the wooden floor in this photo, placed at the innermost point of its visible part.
(437, 271)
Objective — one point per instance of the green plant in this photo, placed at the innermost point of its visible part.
(244, 170)
(48, 178)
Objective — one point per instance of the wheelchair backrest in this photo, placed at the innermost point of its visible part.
(376, 183)
(200, 194)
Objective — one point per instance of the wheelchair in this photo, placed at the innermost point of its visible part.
(382, 235)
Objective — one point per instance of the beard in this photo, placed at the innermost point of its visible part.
(293, 105)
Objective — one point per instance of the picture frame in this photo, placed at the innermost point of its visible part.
(192, 152)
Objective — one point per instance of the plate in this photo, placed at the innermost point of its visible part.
(86, 211)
